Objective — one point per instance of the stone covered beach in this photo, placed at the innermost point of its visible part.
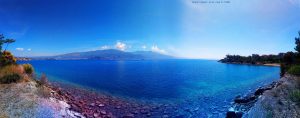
(93, 104)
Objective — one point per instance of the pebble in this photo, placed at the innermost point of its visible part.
(96, 114)
(149, 114)
(135, 112)
(101, 105)
(92, 104)
(129, 116)
(144, 111)
(103, 112)
(196, 109)
(118, 107)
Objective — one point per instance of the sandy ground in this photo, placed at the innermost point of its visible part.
(272, 64)
(22, 100)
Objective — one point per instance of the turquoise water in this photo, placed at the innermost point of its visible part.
(166, 80)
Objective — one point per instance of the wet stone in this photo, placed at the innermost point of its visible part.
(101, 105)
(96, 114)
(135, 112)
(92, 104)
(118, 107)
(128, 116)
(103, 112)
(149, 114)
(144, 111)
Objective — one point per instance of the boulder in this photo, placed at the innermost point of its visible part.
(233, 114)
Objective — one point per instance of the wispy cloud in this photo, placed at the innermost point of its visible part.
(105, 47)
(29, 49)
(156, 49)
(20, 49)
(121, 46)
(144, 47)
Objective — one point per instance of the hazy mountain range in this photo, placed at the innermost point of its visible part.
(110, 54)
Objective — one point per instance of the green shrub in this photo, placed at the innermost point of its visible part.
(284, 68)
(295, 96)
(28, 68)
(294, 70)
(10, 78)
(7, 58)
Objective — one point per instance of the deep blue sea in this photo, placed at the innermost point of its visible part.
(163, 80)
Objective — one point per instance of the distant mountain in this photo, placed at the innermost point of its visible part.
(110, 54)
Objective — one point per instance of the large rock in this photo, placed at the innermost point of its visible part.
(233, 114)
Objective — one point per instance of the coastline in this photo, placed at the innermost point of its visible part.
(92, 104)
(28, 99)
(266, 64)
(268, 101)
(277, 102)
(77, 102)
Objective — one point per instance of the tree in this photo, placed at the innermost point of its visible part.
(8, 41)
(288, 58)
(3, 41)
(6, 57)
(297, 42)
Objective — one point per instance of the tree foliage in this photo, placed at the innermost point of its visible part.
(297, 42)
(5, 41)
(289, 61)
(253, 59)
(6, 57)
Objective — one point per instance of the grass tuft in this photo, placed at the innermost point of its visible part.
(28, 68)
(295, 96)
(294, 70)
(10, 78)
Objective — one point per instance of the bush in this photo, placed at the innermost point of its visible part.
(295, 96)
(10, 78)
(44, 80)
(284, 68)
(28, 68)
(294, 70)
(10, 69)
(7, 58)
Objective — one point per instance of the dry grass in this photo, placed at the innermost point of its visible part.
(15, 69)
(10, 69)
(44, 91)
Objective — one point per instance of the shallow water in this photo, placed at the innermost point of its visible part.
(198, 85)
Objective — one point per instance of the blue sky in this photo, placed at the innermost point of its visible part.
(176, 27)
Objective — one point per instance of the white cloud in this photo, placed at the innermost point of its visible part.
(156, 49)
(121, 46)
(29, 49)
(20, 49)
(144, 47)
(105, 47)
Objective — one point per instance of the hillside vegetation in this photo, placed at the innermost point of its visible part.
(21, 94)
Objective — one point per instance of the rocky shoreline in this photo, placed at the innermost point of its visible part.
(93, 105)
(243, 105)
(30, 100)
